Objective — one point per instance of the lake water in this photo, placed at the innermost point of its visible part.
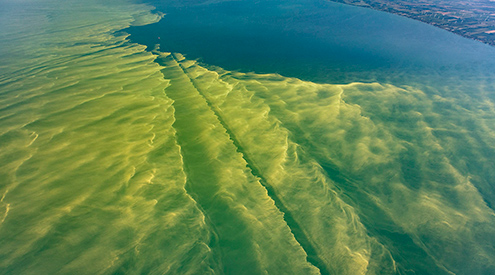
(260, 137)
(312, 40)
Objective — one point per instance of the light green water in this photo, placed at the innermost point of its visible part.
(116, 160)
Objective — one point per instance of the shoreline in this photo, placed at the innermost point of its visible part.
(476, 23)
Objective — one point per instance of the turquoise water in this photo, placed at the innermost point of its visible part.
(309, 138)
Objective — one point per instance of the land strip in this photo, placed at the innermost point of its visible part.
(473, 19)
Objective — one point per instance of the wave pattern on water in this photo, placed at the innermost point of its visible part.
(325, 245)
(116, 160)
(91, 176)
(370, 184)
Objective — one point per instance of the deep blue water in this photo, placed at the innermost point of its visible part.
(313, 40)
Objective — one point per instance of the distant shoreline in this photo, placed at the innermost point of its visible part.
(470, 19)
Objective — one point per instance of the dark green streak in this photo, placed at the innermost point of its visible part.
(233, 244)
(296, 229)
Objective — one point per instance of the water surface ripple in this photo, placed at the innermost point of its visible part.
(302, 142)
